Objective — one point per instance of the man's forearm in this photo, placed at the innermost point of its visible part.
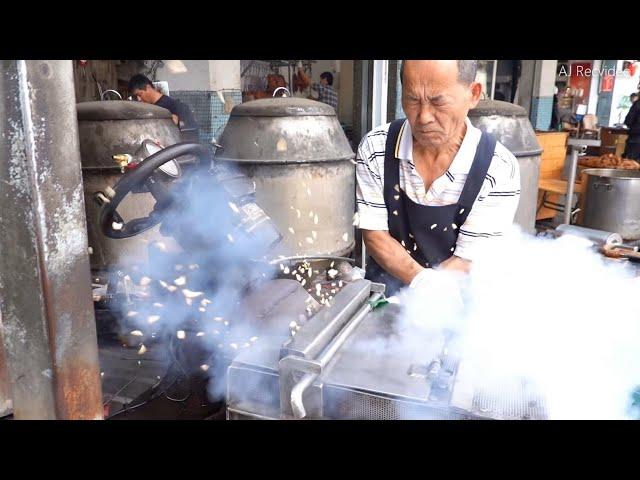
(391, 255)
(457, 264)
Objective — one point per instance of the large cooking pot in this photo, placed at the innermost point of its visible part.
(511, 126)
(301, 161)
(612, 201)
(107, 129)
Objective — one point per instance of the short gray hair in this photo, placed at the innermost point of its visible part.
(466, 71)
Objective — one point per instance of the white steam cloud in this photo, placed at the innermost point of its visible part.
(552, 311)
(191, 297)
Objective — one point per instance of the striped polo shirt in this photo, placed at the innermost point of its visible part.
(492, 212)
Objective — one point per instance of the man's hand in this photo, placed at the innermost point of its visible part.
(393, 257)
(440, 289)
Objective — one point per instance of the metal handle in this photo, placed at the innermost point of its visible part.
(281, 88)
(297, 405)
(608, 186)
(107, 91)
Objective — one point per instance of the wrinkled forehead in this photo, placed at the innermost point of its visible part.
(430, 75)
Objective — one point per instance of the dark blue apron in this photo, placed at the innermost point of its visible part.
(428, 233)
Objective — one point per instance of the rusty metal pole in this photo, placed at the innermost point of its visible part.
(45, 290)
(6, 405)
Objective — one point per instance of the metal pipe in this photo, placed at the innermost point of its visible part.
(297, 405)
(310, 257)
(6, 405)
(599, 237)
(321, 329)
(339, 339)
(49, 329)
(573, 163)
(493, 79)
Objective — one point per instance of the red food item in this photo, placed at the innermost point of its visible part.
(274, 81)
(300, 83)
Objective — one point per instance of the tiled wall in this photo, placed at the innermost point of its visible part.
(208, 110)
(541, 108)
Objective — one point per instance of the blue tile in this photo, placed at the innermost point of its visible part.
(208, 110)
(541, 109)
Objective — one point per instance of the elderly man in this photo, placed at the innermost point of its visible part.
(432, 188)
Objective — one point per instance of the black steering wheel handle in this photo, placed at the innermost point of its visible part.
(144, 174)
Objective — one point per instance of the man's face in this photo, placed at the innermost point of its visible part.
(323, 81)
(144, 95)
(435, 102)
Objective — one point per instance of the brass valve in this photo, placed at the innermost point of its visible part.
(122, 160)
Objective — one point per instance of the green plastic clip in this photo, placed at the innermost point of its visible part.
(378, 303)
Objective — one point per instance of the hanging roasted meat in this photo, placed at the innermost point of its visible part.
(300, 82)
(274, 81)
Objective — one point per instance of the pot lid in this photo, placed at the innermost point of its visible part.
(282, 107)
(613, 173)
(497, 107)
(120, 110)
(510, 125)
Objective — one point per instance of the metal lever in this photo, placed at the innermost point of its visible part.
(313, 368)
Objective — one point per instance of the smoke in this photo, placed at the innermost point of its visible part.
(190, 298)
(551, 311)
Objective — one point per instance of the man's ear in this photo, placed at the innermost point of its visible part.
(476, 93)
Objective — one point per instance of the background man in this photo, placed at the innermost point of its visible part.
(326, 93)
(632, 120)
(142, 88)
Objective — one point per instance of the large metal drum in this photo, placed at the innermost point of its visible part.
(511, 126)
(301, 161)
(107, 129)
(612, 201)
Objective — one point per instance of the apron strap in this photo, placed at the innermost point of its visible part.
(375, 272)
(478, 171)
(391, 163)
